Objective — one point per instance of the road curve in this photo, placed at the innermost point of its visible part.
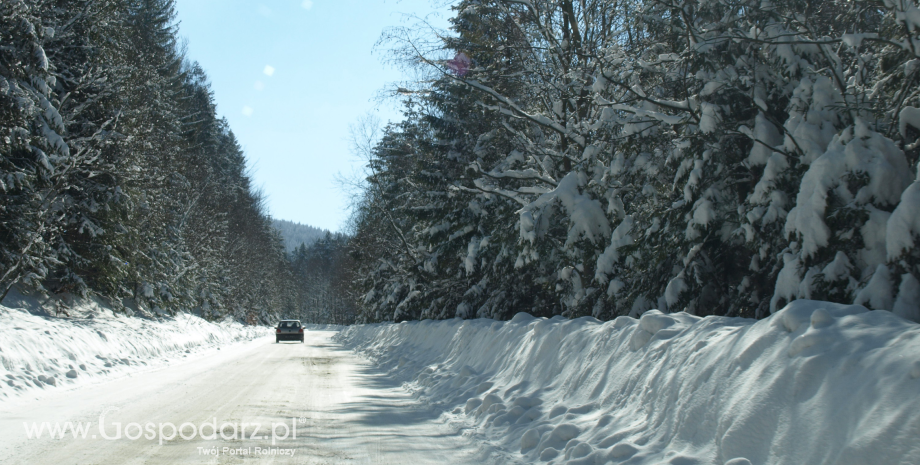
(341, 409)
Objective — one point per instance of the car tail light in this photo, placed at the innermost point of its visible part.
(277, 330)
(301, 330)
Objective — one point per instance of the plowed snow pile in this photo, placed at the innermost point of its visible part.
(39, 351)
(816, 383)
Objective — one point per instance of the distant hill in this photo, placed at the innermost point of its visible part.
(295, 234)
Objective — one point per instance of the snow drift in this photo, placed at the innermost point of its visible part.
(39, 351)
(816, 383)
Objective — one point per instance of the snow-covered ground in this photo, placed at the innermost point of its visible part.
(816, 383)
(41, 351)
(341, 411)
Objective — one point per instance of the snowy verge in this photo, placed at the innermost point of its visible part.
(39, 351)
(323, 327)
(816, 383)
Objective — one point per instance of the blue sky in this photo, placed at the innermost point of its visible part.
(290, 76)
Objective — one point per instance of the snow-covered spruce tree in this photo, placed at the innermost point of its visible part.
(457, 256)
(30, 146)
(84, 52)
(565, 158)
(855, 99)
(686, 156)
(75, 100)
(117, 176)
(503, 158)
(212, 247)
(901, 242)
(155, 101)
(90, 74)
(385, 256)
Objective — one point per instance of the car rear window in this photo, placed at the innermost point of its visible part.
(289, 324)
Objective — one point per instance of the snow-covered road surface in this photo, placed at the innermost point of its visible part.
(345, 411)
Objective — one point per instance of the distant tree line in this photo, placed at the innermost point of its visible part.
(323, 272)
(295, 234)
(603, 158)
(117, 177)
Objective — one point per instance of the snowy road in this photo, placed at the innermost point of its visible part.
(344, 410)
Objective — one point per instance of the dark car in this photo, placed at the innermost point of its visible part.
(289, 330)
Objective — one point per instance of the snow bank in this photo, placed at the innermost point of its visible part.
(39, 351)
(816, 383)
